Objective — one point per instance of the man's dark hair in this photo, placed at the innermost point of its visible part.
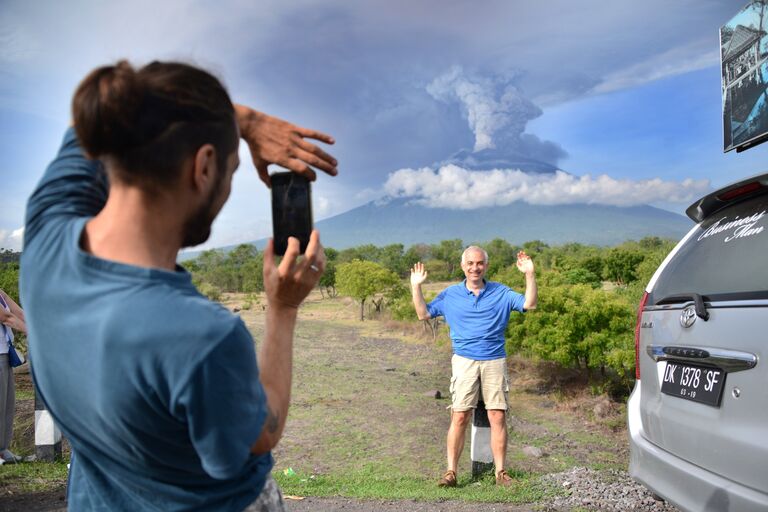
(149, 121)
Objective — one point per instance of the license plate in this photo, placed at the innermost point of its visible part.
(697, 383)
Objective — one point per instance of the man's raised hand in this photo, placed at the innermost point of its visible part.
(275, 141)
(524, 263)
(418, 274)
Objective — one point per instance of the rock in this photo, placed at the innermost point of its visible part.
(436, 394)
(532, 451)
(236, 309)
(389, 369)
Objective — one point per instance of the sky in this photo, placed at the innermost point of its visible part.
(623, 97)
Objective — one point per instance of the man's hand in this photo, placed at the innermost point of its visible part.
(524, 263)
(288, 284)
(418, 274)
(274, 141)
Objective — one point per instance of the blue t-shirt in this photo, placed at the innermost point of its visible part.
(477, 322)
(155, 387)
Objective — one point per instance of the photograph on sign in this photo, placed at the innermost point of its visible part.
(744, 68)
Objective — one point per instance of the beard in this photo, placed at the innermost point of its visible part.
(197, 228)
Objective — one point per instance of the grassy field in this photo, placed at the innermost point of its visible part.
(364, 421)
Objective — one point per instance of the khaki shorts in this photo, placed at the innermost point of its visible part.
(469, 376)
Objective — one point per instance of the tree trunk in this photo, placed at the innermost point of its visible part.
(362, 310)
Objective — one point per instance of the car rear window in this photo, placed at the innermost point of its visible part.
(724, 259)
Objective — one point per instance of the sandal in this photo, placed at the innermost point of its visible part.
(448, 480)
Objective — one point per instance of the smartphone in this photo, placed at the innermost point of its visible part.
(291, 210)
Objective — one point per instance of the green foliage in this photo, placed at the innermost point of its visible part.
(211, 291)
(582, 276)
(391, 257)
(240, 270)
(416, 253)
(513, 278)
(578, 326)
(593, 264)
(438, 270)
(621, 265)
(450, 251)
(500, 255)
(328, 279)
(400, 303)
(363, 280)
(9, 280)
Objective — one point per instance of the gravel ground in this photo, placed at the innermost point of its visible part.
(608, 490)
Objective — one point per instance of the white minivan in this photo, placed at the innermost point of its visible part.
(698, 414)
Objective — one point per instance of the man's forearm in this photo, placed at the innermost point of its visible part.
(531, 291)
(275, 371)
(419, 303)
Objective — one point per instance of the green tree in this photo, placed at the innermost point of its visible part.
(416, 253)
(450, 252)
(578, 326)
(582, 276)
(500, 255)
(327, 281)
(438, 270)
(593, 264)
(392, 257)
(366, 252)
(621, 265)
(363, 280)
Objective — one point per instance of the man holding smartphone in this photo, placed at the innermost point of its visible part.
(477, 312)
(159, 390)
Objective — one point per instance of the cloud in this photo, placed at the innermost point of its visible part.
(456, 188)
(492, 104)
(12, 239)
(676, 61)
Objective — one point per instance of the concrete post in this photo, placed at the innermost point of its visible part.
(480, 451)
(47, 434)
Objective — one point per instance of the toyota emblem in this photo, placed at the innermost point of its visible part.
(688, 316)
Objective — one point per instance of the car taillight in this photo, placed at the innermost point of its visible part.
(741, 191)
(637, 334)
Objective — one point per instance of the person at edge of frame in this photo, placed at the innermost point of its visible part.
(11, 317)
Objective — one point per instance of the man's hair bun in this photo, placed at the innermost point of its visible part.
(105, 109)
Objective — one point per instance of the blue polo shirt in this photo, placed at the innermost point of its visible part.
(477, 322)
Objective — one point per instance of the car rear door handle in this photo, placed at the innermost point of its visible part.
(729, 360)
